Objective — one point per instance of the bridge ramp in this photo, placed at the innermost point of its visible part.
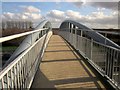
(62, 67)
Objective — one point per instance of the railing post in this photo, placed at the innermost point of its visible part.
(3, 86)
(75, 37)
(77, 41)
(8, 81)
(81, 33)
(70, 32)
(119, 68)
(112, 64)
(107, 61)
(67, 31)
(91, 49)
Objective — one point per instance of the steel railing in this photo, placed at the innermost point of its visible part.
(105, 59)
(3, 39)
(20, 72)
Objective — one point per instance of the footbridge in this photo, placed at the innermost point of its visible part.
(76, 57)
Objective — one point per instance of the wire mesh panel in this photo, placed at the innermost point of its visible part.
(99, 56)
(103, 57)
(19, 73)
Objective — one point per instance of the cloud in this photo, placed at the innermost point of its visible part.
(56, 14)
(71, 13)
(106, 5)
(56, 17)
(8, 15)
(96, 19)
(29, 13)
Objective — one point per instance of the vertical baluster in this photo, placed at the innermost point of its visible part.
(23, 73)
(12, 78)
(5, 82)
(1, 87)
(113, 65)
(8, 79)
(91, 49)
(107, 61)
(118, 69)
(75, 38)
(15, 78)
(20, 74)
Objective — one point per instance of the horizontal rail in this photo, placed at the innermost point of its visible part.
(3, 39)
(21, 67)
(105, 59)
(108, 32)
(20, 72)
(106, 45)
(103, 39)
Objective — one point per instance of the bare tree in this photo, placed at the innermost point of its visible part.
(25, 25)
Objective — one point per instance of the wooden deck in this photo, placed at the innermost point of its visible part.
(62, 67)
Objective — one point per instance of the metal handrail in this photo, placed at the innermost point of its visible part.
(7, 38)
(4, 71)
(103, 44)
(104, 58)
(20, 72)
(94, 31)
(98, 32)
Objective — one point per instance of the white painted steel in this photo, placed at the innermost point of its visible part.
(105, 59)
(3, 39)
(20, 72)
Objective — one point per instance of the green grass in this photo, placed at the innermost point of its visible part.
(8, 48)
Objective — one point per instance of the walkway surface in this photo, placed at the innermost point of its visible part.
(61, 67)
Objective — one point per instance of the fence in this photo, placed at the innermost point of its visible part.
(105, 59)
(19, 73)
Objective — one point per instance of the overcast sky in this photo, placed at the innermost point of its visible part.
(92, 14)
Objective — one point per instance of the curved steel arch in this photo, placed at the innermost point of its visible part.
(29, 40)
(89, 32)
(44, 24)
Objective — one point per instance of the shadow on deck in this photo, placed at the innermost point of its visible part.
(62, 67)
